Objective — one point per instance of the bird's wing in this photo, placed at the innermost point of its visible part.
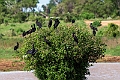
(29, 52)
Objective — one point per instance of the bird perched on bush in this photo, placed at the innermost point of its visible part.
(94, 32)
(56, 23)
(16, 47)
(93, 28)
(38, 24)
(47, 41)
(32, 51)
(75, 37)
(33, 28)
(50, 23)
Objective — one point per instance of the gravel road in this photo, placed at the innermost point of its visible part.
(104, 71)
(99, 71)
(17, 75)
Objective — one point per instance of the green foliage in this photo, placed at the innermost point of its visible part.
(19, 30)
(86, 15)
(96, 23)
(6, 21)
(1, 20)
(20, 17)
(112, 30)
(65, 59)
(68, 17)
(1, 35)
(102, 31)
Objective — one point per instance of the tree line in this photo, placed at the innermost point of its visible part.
(92, 8)
(16, 10)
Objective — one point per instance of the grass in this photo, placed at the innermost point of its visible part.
(6, 47)
(7, 42)
(113, 51)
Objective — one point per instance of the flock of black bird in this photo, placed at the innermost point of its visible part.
(56, 23)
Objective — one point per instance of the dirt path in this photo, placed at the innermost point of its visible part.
(104, 23)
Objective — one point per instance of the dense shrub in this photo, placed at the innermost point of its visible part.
(20, 17)
(86, 15)
(112, 30)
(65, 59)
(96, 23)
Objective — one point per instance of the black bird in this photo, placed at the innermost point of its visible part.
(56, 23)
(94, 32)
(38, 24)
(47, 41)
(32, 51)
(73, 20)
(16, 47)
(24, 33)
(92, 27)
(29, 31)
(75, 37)
(50, 23)
(33, 28)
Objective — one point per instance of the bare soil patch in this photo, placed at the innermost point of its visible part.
(109, 59)
(11, 65)
(104, 23)
(16, 65)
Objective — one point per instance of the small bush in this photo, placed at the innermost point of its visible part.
(96, 23)
(65, 59)
(86, 15)
(112, 30)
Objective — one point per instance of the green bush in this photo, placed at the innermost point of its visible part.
(65, 59)
(20, 17)
(86, 15)
(68, 17)
(96, 23)
(112, 30)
